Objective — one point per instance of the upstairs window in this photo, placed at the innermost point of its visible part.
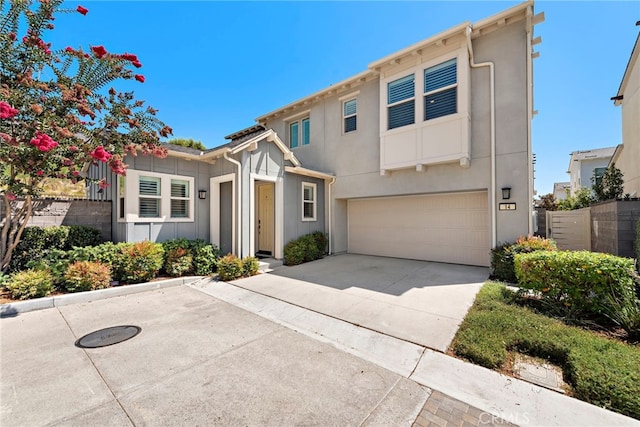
(150, 195)
(349, 114)
(308, 201)
(598, 173)
(440, 90)
(299, 133)
(400, 102)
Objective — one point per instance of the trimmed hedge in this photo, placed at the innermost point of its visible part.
(502, 256)
(582, 282)
(305, 248)
(184, 256)
(230, 267)
(36, 242)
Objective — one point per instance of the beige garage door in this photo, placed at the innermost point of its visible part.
(438, 227)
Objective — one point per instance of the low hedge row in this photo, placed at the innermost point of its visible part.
(502, 256)
(37, 241)
(230, 267)
(94, 267)
(305, 248)
(583, 283)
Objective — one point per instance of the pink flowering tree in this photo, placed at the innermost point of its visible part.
(59, 112)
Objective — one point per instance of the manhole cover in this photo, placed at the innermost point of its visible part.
(108, 336)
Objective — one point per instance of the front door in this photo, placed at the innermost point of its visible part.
(265, 218)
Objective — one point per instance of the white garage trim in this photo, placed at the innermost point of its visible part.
(451, 227)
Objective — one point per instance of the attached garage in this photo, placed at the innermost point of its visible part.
(451, 228)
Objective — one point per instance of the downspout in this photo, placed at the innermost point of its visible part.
(239, 196)
(530, 117)
(333, 180)
(492, 190)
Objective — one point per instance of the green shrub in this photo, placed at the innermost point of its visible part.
(502, 256)
(582, 282)
(205, 258)
(230, 267)
(250, 266)
(87, 275)
(141, 261)
(638, 246)
(305, 248)
(81, 236)
(54, 260)
(30, 284)
(179, 262)
(36, 242)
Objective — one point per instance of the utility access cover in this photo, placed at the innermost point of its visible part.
(108, 336)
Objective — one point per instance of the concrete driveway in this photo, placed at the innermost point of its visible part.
(416, 301)
(197, 361)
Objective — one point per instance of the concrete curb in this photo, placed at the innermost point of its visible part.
(15, 308)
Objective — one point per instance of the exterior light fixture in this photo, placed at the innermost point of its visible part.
(202, 194)
(506, 193)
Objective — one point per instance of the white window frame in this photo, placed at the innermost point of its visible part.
(440, 89)
(132, 197)
(314, 202)
(348, 116)
(299, 119)
(402, 101)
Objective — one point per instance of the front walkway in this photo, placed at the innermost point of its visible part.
(417, 301)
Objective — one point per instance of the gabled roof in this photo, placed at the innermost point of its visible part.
(633, 59)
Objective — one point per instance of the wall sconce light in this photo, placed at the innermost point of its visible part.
(202, 194)
(506, 193)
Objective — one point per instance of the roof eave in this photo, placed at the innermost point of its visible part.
(633, 59)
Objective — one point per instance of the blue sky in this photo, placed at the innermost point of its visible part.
(211, 67)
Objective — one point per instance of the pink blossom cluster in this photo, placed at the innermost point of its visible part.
(99, 153)
(44, 142)
(7, 111)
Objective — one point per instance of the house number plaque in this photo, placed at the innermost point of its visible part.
(507, 206)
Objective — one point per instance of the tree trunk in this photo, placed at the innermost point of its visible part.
(14, 225)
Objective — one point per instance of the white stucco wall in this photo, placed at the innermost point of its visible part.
(629, 159)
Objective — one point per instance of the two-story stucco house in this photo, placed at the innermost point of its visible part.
(426, 154)
(627, 155)
(586, 167)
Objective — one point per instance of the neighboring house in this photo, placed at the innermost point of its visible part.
(586, 167)
(411, 158)
(561, 190)
(627, 155)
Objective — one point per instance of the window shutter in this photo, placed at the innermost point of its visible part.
(400, 89)
(440, 75)
(293, 135)
(350, 124)
(350, 107)
(305, 132)
(179, 208)
(149, 186)
(401, 114)
(149, 208)
(179, 188)
(440, 104)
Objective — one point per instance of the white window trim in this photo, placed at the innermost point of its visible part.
(299, 120)
(132, 197)
(344, 117)
(463, 93)
(315, 201)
